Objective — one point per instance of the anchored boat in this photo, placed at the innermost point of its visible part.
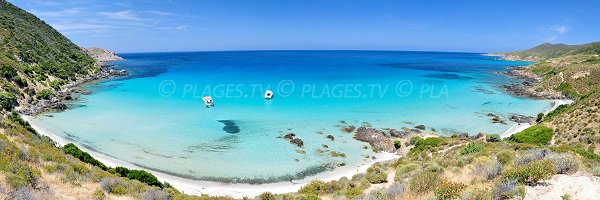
(269, 94)
(208, 101)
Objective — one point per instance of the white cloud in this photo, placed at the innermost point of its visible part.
(560, 29)
(181, 27)
(61, 13)
(121, 15)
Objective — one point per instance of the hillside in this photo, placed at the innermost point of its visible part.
(101, 55)
(35, 59)
(36, 64)
(548, 51)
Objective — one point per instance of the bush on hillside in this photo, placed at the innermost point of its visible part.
(493, 138)
(83, 156)
(563, 162)
(532, 172)
(424, 182)
(376, 174)
(8, 101)
(449, 190)
(144, 177)
(44, 94)
(425, 144)
(508, 189)
(536, 135)
(471, 148)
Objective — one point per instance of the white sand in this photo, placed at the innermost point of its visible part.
(522, 126)
(237, 190)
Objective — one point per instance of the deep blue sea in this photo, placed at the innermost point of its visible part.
(155, 116)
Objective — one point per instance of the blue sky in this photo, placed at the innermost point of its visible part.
(196, 25)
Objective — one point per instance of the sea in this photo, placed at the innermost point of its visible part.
(155, 116)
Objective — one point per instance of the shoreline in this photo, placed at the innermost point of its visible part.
(235, 190)
(522, 126)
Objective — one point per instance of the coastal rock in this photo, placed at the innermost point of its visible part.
(495, 118)
(397, 133)
(297, 141)
(376, 138)
(289, 136)
(349, 129)
(420, 127)
(522, 119)
(101, 55)
(330, 137)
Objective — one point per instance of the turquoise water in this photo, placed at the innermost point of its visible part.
(155, 117)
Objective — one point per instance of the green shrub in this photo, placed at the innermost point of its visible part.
(397, 144)
(99, 195)
(493, 138)
(449, 190)
(144, 177)
(424, 182)
(122, 171)
(376, 174)
(266, 196)
(560, 109)
(44, 94)
(471, 148)
(587, 154)
(536, 135)
(403, 169)
(532, 172)
(425, 144)
(83, 156)
(314, 187)
(8, 101)
(20, 81)
(540, 116)
(505, 156)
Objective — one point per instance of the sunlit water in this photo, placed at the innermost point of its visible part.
(155, 117)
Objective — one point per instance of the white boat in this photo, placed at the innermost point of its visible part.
(269, 94)
(208, 101)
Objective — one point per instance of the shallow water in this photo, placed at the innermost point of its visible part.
(155, 117)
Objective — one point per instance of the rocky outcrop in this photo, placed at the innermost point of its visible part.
(57, 101)
(523, 119)
(495, 118)
(397, 133)
(101, 55)
(376, 138)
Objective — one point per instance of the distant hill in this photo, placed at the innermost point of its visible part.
(101, 55)
(548, 51)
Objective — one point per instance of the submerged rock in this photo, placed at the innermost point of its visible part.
(376, 138)
(297, 141)
(495, 118)
(330, 137)
(289, 136)
(420, 127)
(349, 129)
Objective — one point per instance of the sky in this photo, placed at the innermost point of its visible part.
(219, 25)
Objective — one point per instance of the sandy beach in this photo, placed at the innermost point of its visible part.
(235, 190)
(522, 126)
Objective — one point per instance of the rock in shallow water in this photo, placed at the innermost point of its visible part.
(376, 138)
